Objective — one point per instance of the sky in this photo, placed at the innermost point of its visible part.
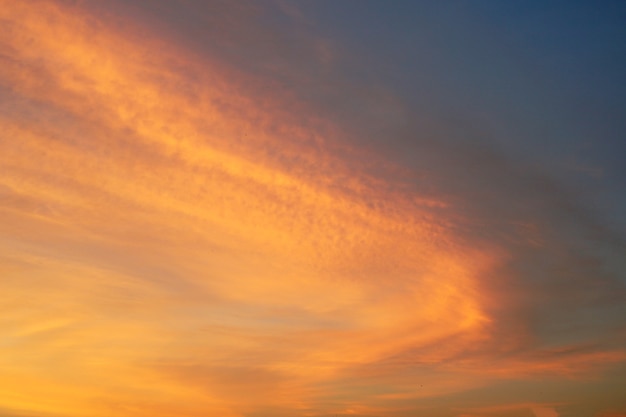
(312, 208)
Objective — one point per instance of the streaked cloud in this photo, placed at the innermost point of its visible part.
(185, 231)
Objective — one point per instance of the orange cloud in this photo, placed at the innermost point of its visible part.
(536, 410)
(175, 243)
(180, 233)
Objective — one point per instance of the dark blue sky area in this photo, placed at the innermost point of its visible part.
(543, 80)
(517, 59)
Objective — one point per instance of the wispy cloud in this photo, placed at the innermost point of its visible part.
(178, 238)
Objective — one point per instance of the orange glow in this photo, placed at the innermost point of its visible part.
(259, 243)
(174, 244)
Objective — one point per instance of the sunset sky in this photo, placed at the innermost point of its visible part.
(312, 208)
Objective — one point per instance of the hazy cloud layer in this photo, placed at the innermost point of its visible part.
(213, 209)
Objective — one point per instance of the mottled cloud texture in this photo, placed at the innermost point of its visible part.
(206, 211)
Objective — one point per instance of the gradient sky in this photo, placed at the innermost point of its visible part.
(317, 208)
